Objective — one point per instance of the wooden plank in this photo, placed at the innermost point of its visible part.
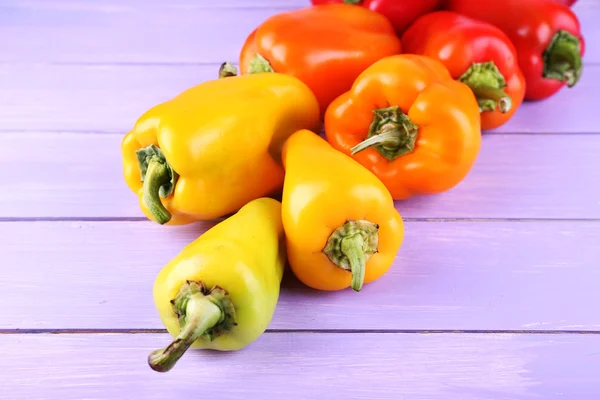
(101, 4)
(182, 32)
(448, 275)
(516, 176)
(126, 34)
(106, 5)
(109, 98)
(89, 97)
(307, 366)
(568, 111)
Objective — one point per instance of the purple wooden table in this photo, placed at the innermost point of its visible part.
(493, 296)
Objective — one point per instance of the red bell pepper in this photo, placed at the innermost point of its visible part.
(326, 46)
(476, 53)
(401, 13)
(545, 33)
(567, 2)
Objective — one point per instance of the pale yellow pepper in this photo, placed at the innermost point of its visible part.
(220, 291)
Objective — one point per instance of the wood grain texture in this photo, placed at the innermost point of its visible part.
(447, 275)
(239, 4)
(74, 76)
(307, 366)
(110, 98)
(516, 176)
(126, 34)
(101, 5)
(67, 31)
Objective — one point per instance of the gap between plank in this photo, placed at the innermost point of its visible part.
(321, 331)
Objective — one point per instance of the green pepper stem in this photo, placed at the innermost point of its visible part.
(157, 175)
(498, 96)
(227, 70)
(389, 138)
(201, 315)
(352, 247)
(392, 134)
(352, 1)
(259, 64)
(562, 58)
(488, 84)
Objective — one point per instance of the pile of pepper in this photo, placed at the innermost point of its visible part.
(402, 89)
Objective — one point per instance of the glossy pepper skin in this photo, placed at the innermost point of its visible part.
(221, 290)
(326, 47)
(546, 35)
(567, 2)
(340, 222)
(410, 123)
(401, 13)
(476, 53)
(216, 146)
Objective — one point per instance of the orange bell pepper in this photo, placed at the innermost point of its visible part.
(341, 226)
(410, 123)
(325, 46)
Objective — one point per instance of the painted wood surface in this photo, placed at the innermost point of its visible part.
(187, 4)
(113, 32)
(307, 366)
(516, 176)
(110, 98)
(448, 275)
(509, 257)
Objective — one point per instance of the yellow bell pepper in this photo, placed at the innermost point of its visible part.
(220, 291)
(213, 148)
(341, 226)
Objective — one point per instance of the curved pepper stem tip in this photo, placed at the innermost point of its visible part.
(488, 84)
(488, 98)
(505, 104)
(201, 315)
(159, 181)
(157, 175)
(391, 133)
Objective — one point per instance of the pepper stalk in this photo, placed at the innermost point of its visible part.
(562, 58)
(202, 314)
(488, 84)
(391, 133)
(227, 69)
(259, 64)
(350, 247)
(159, 181)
